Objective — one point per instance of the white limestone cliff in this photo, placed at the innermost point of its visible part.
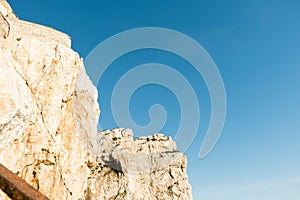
(48, 126)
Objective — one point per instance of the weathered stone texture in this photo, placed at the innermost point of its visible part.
(48, 126)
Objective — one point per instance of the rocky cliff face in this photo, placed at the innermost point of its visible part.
(48, 126)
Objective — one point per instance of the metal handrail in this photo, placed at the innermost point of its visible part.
(17, 188)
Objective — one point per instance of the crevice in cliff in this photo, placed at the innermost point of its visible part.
(170, 173)
(66, 187)
(35, 180)
(62, 178)
(39, 106)
(6, 34)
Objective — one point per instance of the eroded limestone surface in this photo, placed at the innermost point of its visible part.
(48, 126)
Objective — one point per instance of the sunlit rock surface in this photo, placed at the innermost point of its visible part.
(48, 126)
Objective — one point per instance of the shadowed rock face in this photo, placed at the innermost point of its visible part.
(48, 126)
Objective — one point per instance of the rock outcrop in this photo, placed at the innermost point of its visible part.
(48, 126)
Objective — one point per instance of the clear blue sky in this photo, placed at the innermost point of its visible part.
(256, 46)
